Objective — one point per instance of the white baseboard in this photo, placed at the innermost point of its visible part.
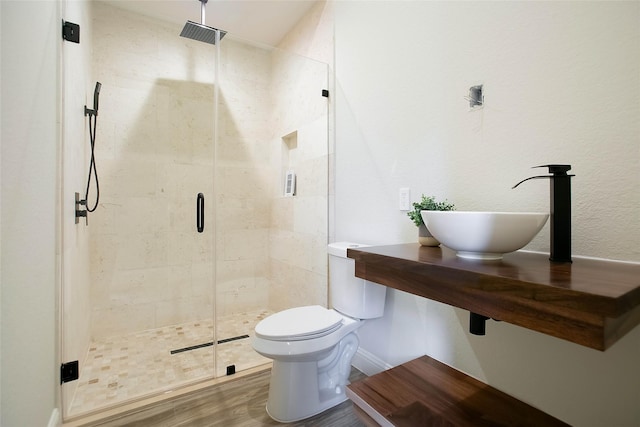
(368, 363)
(54, 420)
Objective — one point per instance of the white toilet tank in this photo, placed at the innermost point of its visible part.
(350, 295)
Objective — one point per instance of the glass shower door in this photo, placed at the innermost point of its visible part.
(138, 285)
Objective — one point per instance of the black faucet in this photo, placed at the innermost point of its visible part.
(560, 210)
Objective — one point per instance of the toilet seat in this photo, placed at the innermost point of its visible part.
(300, 323)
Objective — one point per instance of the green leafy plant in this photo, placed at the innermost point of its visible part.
(428, 204)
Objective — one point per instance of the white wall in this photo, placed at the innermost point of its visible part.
(28, 261)
(562, 85)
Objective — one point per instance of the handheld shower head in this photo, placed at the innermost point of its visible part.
(96, 96)
(201, 32)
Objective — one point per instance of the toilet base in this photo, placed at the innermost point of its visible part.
(300, 390)
(326, 405)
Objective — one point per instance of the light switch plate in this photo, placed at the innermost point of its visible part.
(405, 199)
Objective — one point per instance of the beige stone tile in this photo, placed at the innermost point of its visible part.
(119, 368)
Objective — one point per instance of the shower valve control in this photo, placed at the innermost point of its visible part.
(81, 212)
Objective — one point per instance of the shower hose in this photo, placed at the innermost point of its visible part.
(92, 164)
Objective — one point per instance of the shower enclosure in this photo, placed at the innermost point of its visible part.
(194, 240)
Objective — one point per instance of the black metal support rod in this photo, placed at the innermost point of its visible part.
(477, 323)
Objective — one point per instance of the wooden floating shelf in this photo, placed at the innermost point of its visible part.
(425, 392)
(590, 302)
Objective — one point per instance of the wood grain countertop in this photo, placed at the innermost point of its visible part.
(592, 302)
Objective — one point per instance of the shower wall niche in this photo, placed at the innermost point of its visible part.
(162, 140)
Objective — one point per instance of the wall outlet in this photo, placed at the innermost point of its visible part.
(405, 199)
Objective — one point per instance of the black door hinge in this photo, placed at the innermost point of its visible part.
(71, 32)
(325, 93)
(69, 372)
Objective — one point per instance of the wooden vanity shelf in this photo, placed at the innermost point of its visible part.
(425, 392)
(591, 302)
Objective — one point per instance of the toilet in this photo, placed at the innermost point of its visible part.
(312, 346)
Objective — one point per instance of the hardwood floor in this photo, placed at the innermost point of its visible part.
(238, 403)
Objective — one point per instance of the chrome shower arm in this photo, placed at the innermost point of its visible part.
(203, 12)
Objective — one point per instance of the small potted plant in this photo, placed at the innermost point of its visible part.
(427, 204)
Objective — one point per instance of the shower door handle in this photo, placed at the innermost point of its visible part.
(200, 213)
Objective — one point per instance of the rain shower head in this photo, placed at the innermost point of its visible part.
(201, 32)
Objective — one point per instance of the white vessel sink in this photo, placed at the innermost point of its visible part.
(484, 235)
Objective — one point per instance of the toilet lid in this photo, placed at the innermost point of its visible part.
(300, 323)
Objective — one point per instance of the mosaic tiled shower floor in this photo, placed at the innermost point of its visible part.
(121, 368)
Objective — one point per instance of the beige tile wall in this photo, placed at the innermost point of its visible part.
(271, 248)
(299, 225)
(155, 153)
(149, 266)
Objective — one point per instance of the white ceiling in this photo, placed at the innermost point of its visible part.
(263, 21)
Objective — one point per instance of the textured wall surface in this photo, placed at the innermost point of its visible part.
(561, 86)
